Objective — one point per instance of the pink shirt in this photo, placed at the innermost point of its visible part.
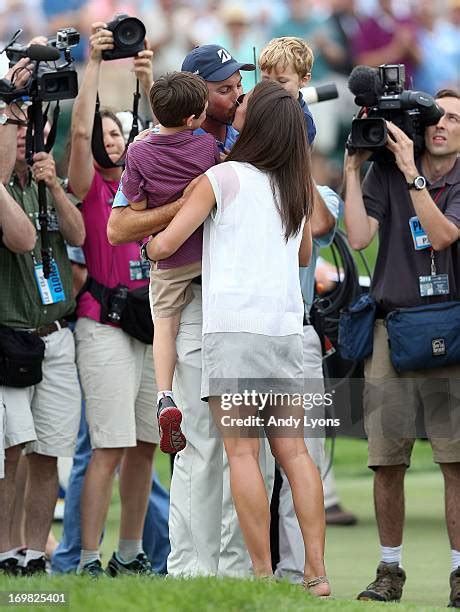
(107, 264)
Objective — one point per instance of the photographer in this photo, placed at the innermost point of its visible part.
(116, 370)
(394, 199)
(42, 411)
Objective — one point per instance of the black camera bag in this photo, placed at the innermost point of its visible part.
(136, 319)
(21, 357)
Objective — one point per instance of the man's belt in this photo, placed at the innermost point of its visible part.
(46, 330)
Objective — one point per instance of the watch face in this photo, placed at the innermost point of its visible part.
(3, 119)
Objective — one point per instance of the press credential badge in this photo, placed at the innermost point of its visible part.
(50, 289)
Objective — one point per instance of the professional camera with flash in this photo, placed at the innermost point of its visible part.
(382, 96)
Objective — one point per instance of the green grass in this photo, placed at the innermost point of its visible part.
(352, 555)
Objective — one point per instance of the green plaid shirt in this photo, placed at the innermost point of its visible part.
(20, 302)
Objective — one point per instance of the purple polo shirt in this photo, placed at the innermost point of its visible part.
(376, 33)
(159, 168)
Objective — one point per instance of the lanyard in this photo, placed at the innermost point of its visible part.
(433, 263)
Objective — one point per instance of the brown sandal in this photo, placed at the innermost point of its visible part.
(308, 585)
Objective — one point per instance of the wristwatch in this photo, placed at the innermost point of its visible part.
(144, 253)
(418, 183)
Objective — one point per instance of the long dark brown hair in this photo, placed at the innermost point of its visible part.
(274, 140)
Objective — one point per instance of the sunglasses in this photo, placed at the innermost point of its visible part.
(240, 99)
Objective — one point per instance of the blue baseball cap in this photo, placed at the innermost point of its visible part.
(213, 63)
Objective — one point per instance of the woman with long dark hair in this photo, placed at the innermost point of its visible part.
(260, 200)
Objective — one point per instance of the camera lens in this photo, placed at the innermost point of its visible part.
(130, 32)
(373, 133)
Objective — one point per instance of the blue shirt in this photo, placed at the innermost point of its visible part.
(231, 135)
(309, 122)
(307, 275)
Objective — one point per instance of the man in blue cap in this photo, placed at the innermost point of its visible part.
(197, 485)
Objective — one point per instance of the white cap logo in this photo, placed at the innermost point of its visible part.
(224, 55)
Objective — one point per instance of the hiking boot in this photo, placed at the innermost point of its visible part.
(454, 600)
(172, 440)
(336, 515)
(388, 584)
(93, 569)
(140, 566)
(10, 567)
(35, 567)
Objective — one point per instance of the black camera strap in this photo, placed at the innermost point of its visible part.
(53, 131)
(97, 137)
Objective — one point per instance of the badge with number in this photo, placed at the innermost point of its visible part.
(139, 270)
(50, 289)
(435, 284)
(419, 236)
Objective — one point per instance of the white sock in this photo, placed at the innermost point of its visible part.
(9, 554)
(391, 554)
(128, 550)
(33, 554)
(87, 556)
(455, 559)
(162, 394)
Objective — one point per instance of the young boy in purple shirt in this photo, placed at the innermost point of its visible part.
(157, 171)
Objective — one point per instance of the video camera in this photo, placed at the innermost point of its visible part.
(48, 82)
(382, 95)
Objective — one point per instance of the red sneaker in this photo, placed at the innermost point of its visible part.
(172, 440)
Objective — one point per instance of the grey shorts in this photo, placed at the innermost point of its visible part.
(233, 362)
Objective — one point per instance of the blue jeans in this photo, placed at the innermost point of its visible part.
(155, 538)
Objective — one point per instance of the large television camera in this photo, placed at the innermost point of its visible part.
(381, 94)
(49, 80)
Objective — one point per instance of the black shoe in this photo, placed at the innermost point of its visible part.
(140, 566)
(93, 569)
(10, 567)
(388, 584)
(454, 600)
(336, 515)
(35, 567)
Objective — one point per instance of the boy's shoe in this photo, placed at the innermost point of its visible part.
(454, 600)
(140, 566)
(10, 567)
(35, 567)
(388, 584)
(172, 440)
(93, 569)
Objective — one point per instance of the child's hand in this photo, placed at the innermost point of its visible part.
(142, 135)
(223, 156)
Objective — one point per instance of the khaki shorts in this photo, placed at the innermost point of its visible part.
(117, 378)
(398, 408)
(47, 416)
(170, 290)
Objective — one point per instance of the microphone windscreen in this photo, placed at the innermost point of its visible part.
(365, 84)
(43, 53)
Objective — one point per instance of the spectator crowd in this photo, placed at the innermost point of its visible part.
(210, 225)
